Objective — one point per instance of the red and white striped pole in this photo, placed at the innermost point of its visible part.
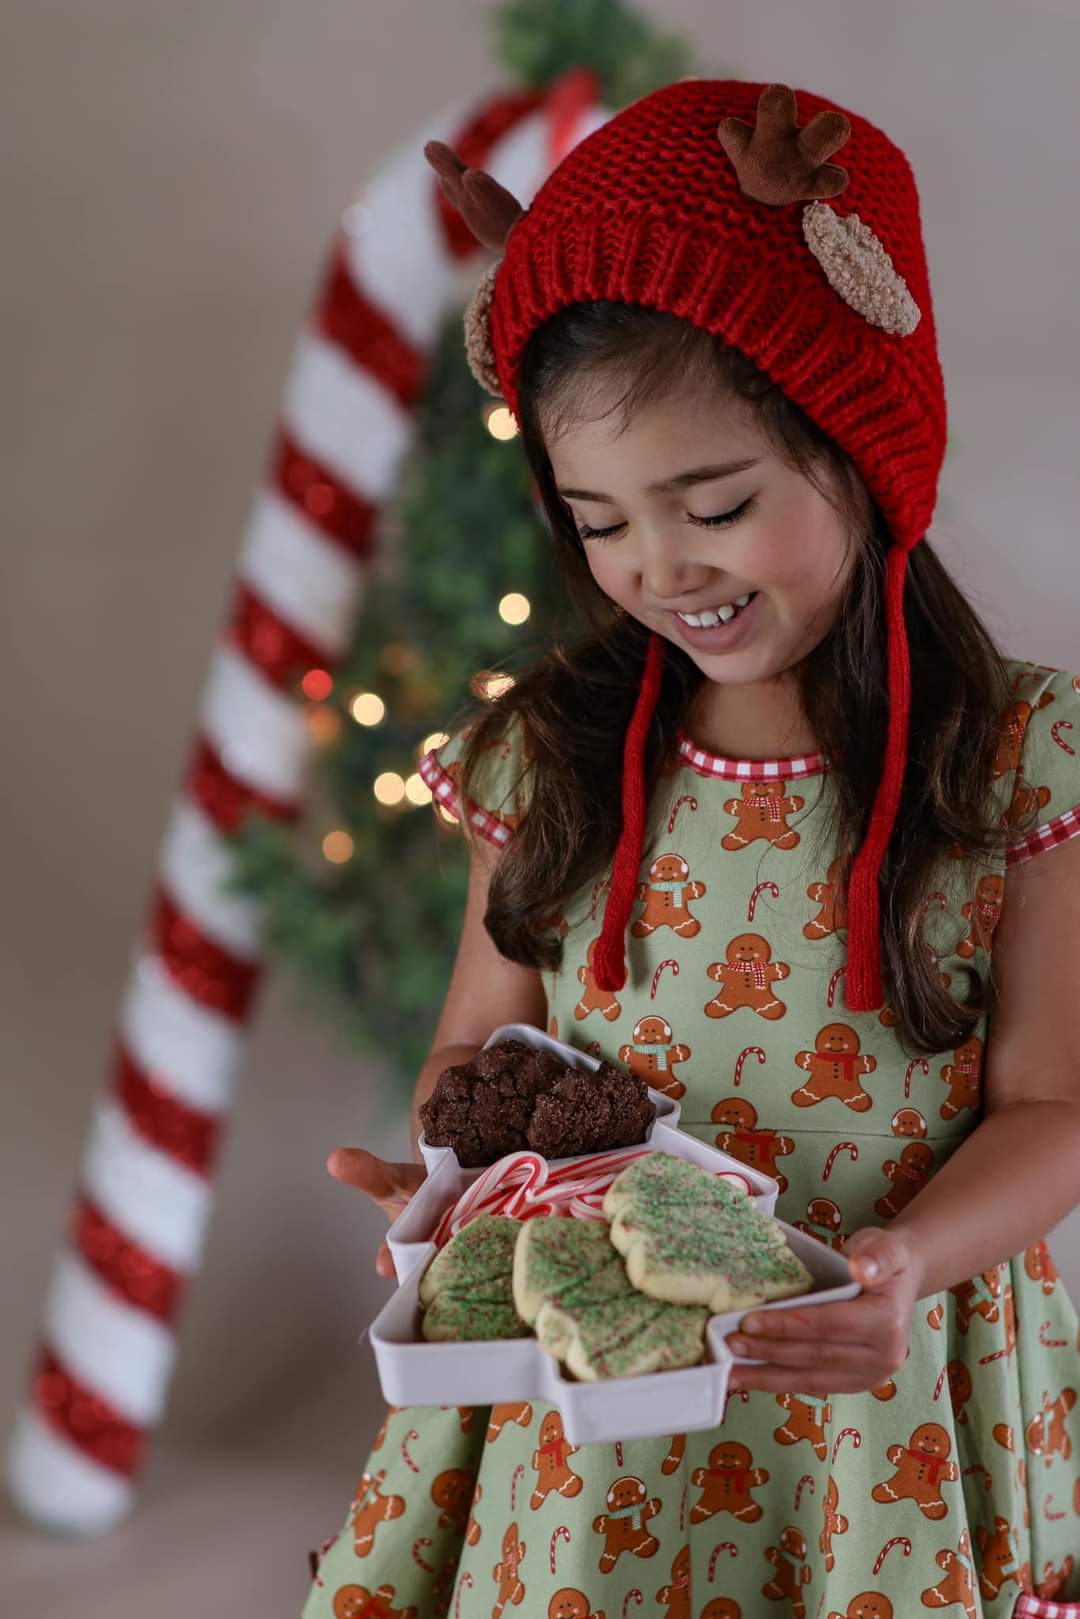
(399, 264)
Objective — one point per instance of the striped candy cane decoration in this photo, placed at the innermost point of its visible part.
(400, 264)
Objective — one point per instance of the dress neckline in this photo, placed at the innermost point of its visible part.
(715, 764)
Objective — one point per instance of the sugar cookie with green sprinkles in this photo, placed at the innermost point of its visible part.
(467, 1292)
(689, 1238)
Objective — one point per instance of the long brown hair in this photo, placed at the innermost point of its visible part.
(575, 702)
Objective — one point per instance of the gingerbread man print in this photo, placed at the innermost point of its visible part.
(727, 1482)
(593, 998)
(1054, 1580)
(357, 1602)
(806, 1420)
(625, 1524)
(667, 896)
(983, 915)
(653, 1055)
(791, 1571)
(834, 1523)
(1046, 1435)
(823, 1221)
(908, 1121)
(960, 1389)
(505, 1573)
(758, 1149)
(721, 1608)
(452, 1493)
(549, 1460)
(676, 1451)
(958, 1584)
(570, 1603)
(1026, 801)
(519, 1412)
(746, 979)
(867, 1605)
(762, 814)
(1039, 1265)
(977, 1296)
(908, 1177)
(1011, 728)
(832, 917)
(369, 1509)
(963, 1076)
(999, 1558)
(922, 1467)
(676, 1594)
(835, 1067)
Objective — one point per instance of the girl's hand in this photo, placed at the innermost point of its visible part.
(842, 1348)
(389, 1185)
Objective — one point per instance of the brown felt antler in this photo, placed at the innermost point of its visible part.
(776, 162)
(487, 208)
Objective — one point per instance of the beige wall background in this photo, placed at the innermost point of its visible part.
(171, 175)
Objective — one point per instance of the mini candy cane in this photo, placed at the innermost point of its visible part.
(1051, 1517)
(806, 1479)
(519, 1471)
(753, 898)
(722, 1546)
(940, 1382)
(897, 1540)
(633, 1595)
(1062, 725)
(984, 1360)
(841, 1146)
(687, 798)
(618, 1453)
(593, 1048)
(856, 1437)
(1049, 1343)
(942, 902)
(682, 1500)
(919, 1062)
(561, 1533)
(407, 1459)
(425, 1540)
(833, 981)
(465, 1583)
(977, 1467)
(749, 1051)
(669, 962)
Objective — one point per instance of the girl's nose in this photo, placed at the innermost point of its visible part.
(667, 576)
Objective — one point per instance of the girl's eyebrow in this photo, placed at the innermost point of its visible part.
(666, 486)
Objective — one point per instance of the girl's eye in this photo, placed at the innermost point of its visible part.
(721, 521)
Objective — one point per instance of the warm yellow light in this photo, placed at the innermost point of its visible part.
(491, 683)
(367, 709)
(500, 423)
(417, 790)
(514, 609)
(437, 739)
(389, 787)
(337, 847)
(448, 815)
(323, 723)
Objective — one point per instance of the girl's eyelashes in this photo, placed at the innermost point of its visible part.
(723, 520)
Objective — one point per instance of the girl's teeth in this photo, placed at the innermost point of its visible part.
(722, 615)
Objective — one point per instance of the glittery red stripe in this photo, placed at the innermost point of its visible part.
(472, 144)
(184, 1133)
(124, 1267)
(84, 1418)
(367, 334)
(327, 503)
(277, 650)
(205, 971)
(225, 799)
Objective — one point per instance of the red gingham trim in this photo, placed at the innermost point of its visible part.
(1059, 830)
(442, 785)
(1041, 1608)
(713, 764)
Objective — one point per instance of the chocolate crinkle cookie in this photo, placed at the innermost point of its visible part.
(510, 1097)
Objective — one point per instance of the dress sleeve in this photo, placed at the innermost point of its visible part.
(500, 788)
(1044, 723)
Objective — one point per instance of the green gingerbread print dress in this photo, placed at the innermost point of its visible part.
(956, 1484)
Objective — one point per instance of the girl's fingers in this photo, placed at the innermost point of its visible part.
(384, 1263)
(385, 1182)
(851, 1321)
(800, 1380)
(779, 1352)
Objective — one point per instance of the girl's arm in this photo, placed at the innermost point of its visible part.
(1018, 1173)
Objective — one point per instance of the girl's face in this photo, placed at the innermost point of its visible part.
(676, 542)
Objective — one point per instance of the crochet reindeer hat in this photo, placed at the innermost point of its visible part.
(709, 200)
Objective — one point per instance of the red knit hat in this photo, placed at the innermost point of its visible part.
(714, 199)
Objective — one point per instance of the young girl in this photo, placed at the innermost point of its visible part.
(760, 834)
